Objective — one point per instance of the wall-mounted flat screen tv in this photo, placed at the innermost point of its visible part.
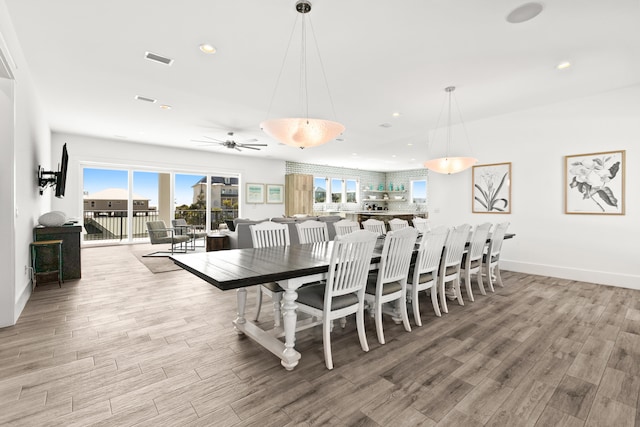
(61, 176)
(57, 179)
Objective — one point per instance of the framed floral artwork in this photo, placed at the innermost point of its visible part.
(275, 193)
(491, 188)
(594, 183)
(255, 193)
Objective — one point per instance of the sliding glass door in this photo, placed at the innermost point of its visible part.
(118, 202)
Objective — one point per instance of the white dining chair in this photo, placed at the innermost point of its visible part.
(424, 273)
(421, 224)
(263, 235)
(312, 231)
(345, 226)
(491, 259)
(389, 282)
(472, 258)
(450, 265)
(374, 225)
(343, 293)
(398, 224)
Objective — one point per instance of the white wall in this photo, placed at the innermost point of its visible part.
(84, 149)
(593, 248)
(25, 140)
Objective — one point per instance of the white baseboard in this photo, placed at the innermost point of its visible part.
(581, 275)
(22, 300)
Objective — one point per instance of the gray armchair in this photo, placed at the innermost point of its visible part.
(193, 231)
(160, 234)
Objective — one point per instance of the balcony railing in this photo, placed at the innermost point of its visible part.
(112, 224)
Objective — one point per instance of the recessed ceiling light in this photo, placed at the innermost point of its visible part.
(563, 65)
(354, 154)
(410, 144)
(393, 155)
(207, 48)
(396, 114)
(165, 107)
(524, 13)
(413, 160)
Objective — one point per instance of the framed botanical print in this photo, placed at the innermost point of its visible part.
(594, 183)
(255, 193)
(491, 188)
(275, 193)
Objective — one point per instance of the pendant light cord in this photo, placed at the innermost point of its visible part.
(324, 75)
(284, 60)
(464, 127)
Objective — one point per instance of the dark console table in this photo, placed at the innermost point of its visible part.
(70, 236)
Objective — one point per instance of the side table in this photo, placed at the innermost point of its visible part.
(46, 258)
(217, 242)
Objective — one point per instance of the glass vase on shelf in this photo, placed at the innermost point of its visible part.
(391, 186)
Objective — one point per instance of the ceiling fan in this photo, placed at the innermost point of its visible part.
(230, 143)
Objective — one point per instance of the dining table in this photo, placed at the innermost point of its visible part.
(290, 266)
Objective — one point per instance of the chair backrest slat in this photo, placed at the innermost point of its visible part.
(345, 226)
(421, 224)
(454, 248)
(268, 234)
(478, 241)
(349, 265)
(430, 251)
(312, 231)
(497, 238)
(396, 254)
(398, 224)
(374, 225)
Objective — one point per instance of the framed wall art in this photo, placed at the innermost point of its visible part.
(594, 183)
(491, 188)
(275, 193)
(255, 193)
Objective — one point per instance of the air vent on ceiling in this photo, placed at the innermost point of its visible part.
(158, 58)
(144, 98)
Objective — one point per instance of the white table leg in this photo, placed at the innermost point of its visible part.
(241, 297)
(290, 356)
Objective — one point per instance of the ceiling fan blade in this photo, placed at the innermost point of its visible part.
(250, 148)
(253, 145)
(213, 139)
(236, 148)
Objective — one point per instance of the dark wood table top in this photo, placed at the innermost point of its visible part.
(238, 268)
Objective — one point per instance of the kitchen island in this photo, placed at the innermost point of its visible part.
(385, 216)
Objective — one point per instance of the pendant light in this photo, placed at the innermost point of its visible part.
(303, 131)
(450, 163)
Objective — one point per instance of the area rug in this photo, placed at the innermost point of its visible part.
(156, 264)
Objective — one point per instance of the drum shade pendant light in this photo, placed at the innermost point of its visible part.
(450, 163)
(303, 131)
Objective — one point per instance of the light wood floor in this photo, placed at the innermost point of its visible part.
(124, 346)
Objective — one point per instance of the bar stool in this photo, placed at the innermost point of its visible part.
(41, 253)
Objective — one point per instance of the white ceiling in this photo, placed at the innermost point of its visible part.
(380, 57)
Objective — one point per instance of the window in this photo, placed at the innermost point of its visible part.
(352, 190)
(340, 190)
(319, 189)
(419, 191)
(336, 190)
